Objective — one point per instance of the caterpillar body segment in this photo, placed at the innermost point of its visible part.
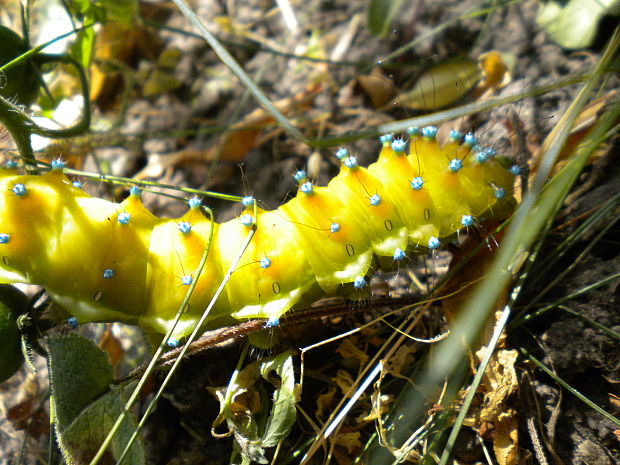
(174, 256)
(255, 289)
(96, 265)
(117, 262)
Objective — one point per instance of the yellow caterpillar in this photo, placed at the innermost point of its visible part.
(104, 261)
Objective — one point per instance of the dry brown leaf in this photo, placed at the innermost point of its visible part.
(159, 82)
(493, 68)
(498, 384)
(439, 86)
(124, 44)
(582, 127)
(325, 402)
(238, 140)
(344, 381)
(499, 381)
(400, 360)
(347, 349)
(246, 403)
(506, 440)
(19, 413)
(494, 72)
(241, 137)
(350, 441)
(377, 86)
(27, 414)
(380, 406)
(350, 448)
(112, 346)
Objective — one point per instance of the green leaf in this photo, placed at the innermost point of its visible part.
(80, 6)
(573, 24)
(82, 48)
(244, 407)
(122, 11)
(84, 410)
(159, 82)
(380, 15)
(81, 439)
(283, 410)
(90, 12)
(79, 373)
(18, 83)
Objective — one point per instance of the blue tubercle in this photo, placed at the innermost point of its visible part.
(10, 164)
(5, 238)
(386, 139)
(375, 200)
(77, 184)
(187, 280)
(399, 146)
(413, 130)
(399, 254)
(342, 153)
(72, 322)
(359, 282)
(246, 219)
(499, 193)
(19, 189)
(417, 183)
(515, 170)
(58, 165)
(124, 217)
(173, 343)
(272, 322)
(300, 176)
(265, 262)
(469, 140)
(490, 152)
(135, 191)
(194, 202)
(482, 155)
(455, 165)
(306, 188)
(108, 273)
(350, 162)
(185, 227)
(455, 136)
(247, 201)
(467, 220)
(429, 132)
(433, 243)
(334, 227)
